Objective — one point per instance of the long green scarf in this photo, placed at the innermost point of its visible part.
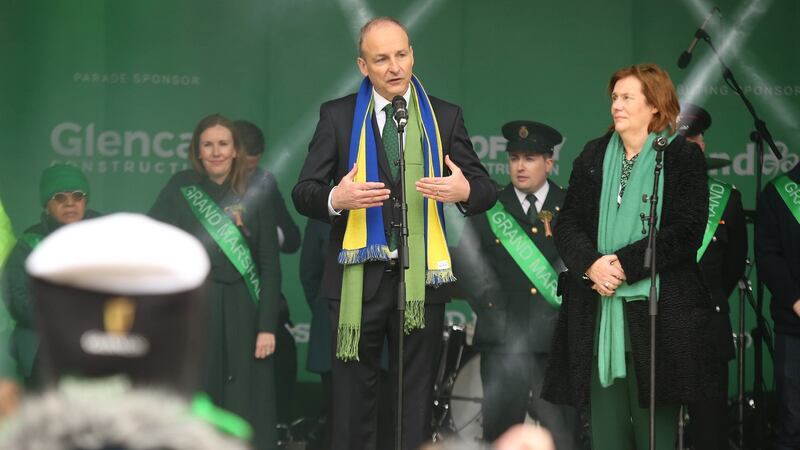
(364, 239)
(618, 227)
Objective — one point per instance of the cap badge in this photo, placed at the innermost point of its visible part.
(523, 132)
(118, 315)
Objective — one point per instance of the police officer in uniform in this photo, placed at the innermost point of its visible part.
(722, 264)
(516, 315)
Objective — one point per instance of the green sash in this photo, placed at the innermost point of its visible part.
(32, 239)
(226, 235)
(718, 195)
(204, 409)
(525, 253)
(790, 193)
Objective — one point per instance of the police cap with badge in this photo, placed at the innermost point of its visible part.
(121, 295)
(525, 136)
(693, 120)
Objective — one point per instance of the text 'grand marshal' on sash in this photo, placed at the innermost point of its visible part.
(525, 253)
(226, 234)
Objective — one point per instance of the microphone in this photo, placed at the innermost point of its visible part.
(400, 111)
(686, 56)
(660, 143)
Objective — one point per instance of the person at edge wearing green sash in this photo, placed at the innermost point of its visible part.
(64, 194)
(219, 204)
(122, 331)
(351, 179)
(288, 243)
(508, 266)
(778, 262)
(722, 258)
(601, 347)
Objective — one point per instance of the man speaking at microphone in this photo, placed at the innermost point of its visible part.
(351, 179)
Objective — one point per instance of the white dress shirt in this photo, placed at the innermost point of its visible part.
(378, 103)
(541, 195)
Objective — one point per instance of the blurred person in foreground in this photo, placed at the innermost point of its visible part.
(519, 437)
(9, 380)
(120, 300)
(601, 349)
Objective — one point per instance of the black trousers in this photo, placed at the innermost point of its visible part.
(708, 427)
(355, 384)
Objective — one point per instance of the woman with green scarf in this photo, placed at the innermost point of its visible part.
(601, 350)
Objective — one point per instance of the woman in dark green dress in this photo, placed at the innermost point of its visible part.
(215, 202)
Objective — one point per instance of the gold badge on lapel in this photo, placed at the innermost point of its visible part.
(546, 217)
(118, 315)
(236, 212)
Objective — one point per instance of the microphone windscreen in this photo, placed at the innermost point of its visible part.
(684, 59)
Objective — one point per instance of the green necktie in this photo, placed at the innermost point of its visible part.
(391, 145)
(533, 215)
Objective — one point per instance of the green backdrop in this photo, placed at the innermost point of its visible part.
(116, 86)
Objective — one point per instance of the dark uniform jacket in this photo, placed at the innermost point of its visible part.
(513, 316)
(682, 365)
(722, 266)
(778, 255)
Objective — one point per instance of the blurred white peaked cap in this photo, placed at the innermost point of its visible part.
(121, 253)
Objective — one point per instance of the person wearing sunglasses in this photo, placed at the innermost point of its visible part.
(64, 194)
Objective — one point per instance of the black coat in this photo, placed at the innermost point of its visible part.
(778, 256)
(513, 317)
(722, 267)
(684, 305)
(233, 378)
(327, 163)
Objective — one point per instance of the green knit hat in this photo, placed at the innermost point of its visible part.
(61, 178)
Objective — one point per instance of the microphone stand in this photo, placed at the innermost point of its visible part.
(650, 263)
(758, 136)
(741, 342)
(402, 254)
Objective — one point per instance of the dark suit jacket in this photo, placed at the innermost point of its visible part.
(327, 162)
(778, 255)
(511, 318)
(684, 305)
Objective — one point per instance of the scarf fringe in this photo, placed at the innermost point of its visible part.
(374, 252)
(414, 316)
(347, 340)
(439, 277)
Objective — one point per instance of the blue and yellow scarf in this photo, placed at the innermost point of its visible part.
(364, 238)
